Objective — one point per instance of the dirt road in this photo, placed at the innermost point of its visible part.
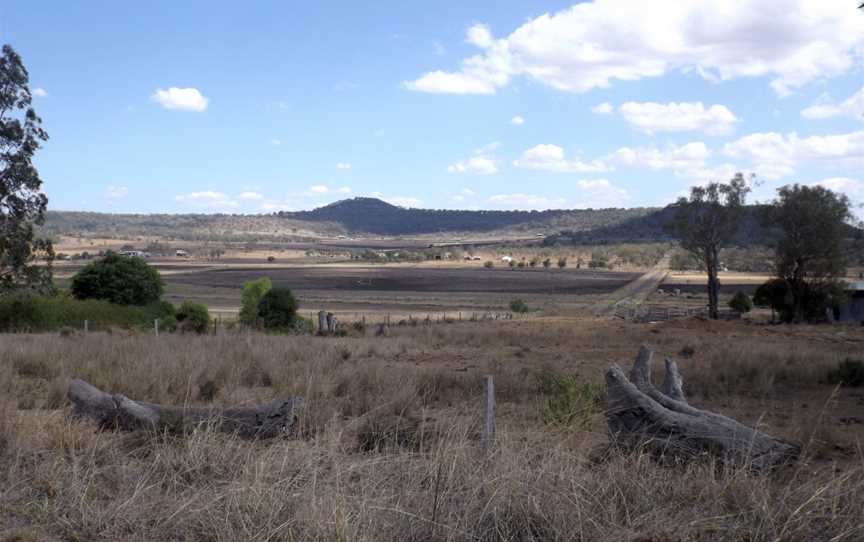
(635, 293)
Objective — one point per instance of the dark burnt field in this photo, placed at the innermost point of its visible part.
(405, 279)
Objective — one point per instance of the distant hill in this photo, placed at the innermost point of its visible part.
(371, 215)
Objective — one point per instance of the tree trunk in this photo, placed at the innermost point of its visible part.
(712, 264)
(119, 412)
(660, 421)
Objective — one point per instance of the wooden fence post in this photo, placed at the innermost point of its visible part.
(156, 326)
(86, 326)
(487, 435)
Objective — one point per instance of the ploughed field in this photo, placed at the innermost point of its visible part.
(415, 279)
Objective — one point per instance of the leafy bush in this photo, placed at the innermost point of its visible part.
(193, 317)
(119, 279)
(562, 262)
(253, 291)
(278, 309)
(815, 299)
(741, 302)
(488, 264)
(547, 263)
(518, 306)
(849, 373)
(567, 400)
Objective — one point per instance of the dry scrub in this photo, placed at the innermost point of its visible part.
(388, 446)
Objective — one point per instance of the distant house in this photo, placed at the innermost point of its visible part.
(507, 259)
(134, 253)
(853, 309)
(181, 253)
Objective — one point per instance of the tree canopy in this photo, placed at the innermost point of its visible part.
(119, 279)
(22, 204)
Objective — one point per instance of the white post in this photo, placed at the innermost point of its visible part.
(86, 326)
(156, 326)
(487, 436)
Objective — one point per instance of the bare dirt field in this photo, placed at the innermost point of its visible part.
(388, 444)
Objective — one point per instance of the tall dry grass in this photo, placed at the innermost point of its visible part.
(388, 446)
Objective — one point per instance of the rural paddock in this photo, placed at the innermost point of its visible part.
(388, 445)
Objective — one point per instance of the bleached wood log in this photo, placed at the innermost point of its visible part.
(115, 411)
(663, 423)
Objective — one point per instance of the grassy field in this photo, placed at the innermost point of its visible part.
(388, 449)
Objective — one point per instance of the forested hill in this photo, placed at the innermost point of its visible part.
(371, 215)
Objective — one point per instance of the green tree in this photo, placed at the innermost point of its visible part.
(119, 279)
(809, 253)
(278, 309)
(253, 291)
(741, 302)
(562, 262)
(193, 317)
(705, 222)
(22, 204)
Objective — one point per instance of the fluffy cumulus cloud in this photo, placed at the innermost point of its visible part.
(517, 121)
(524, 201)
(592, 44)
(208, 200)
(116, 192)
(483, 162)
(651, 117)
(601, 193)
(184, 99)
(551, 158)
(343, 190)
(40, 92)
(775, 155)
(851, 107)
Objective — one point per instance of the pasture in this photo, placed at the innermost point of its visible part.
(388, 445)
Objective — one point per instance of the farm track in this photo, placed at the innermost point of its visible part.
(635, 293)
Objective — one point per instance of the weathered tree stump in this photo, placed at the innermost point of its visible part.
(115, 411)
(661, 422)
(322, 322)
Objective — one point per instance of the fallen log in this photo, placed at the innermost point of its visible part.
(660, 421)
(115, 411)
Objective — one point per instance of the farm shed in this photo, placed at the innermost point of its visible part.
(853, 309)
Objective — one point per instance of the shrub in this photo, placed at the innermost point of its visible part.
(562, 262)
(488, 264)
(278, 309)
(49, 313)
(547, 263)
(208, 390)
(253, 291)
(849, 372)
(741, 302)
(567, 400)
(271, 259)
(518, 306)
(814, 299)
(119, 279)
(193, 317)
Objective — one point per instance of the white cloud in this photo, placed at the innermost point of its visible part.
(272, 206)
(672, 157)
(851, 107)
(343, 165)
(482, 163)
(476, 165)
(251, 196)
(651, 117)
(318, 189)
(517, 121)
(775, 155)
(344, 190)
(186, 99)
(467, 191)
(403, 201)
(551, 158)
(207, 200)
(600, 193)
(592, 44)
(524, 201)
(116, 192)
(602, 108)
(40, 92)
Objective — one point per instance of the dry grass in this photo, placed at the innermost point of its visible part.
(388, 446)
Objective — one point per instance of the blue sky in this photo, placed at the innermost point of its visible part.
(214, 106)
